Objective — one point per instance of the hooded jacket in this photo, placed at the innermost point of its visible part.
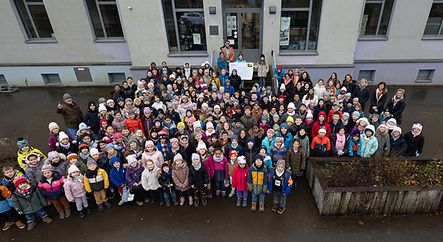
(74, 188)
(134, 175)
(240, 178)
(53, 190)
(180, 176)
(150, 179)
(368, 147)
(258, 179)
(198, 178)
(117, 176)
(97, 181)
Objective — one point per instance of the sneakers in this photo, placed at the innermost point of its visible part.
(121, 203)
(281, 210)
(238, 202)
(175, 202)
(275, 208)
(253, 206)
(82, 214)
(68, 213)
(232, 193)
(190, 201)
(168, 203)
(31, 225)
(146, 200)
(139, 203)
(217, 193)
(107, 204)
(182, 201)
(20, 224)
(245, 202)
(47, 220)
(7, 225)
(262, 207)
(204, 201)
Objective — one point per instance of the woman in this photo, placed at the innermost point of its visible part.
(310, 100)
(378, 99)
(262, 70)
(222, 63)
(397, 105)
(91, 118)
(320, 89)
(236, 80)
(333, 78)
(384, 145)
(348, 83)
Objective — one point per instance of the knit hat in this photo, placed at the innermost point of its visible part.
(280, 163)
(397, 129)
(109, 101)
(322, 113)
(289, 119)
(284, 125)
(149, 143)
(209, 125)
(259, 157)
(62, 135)
(47, 167)
(118, 135)
(201, 145)
(131, 159)
(113, 160)
(82, 126)
(52, 126)
(109, 146)
(19, 180)
(216, 106)
(52, 155)
(33, 154)
(291, 105)
(181, 125)
(94, 151)
(72, 156)
(173, 140)
(282, 87)
(195, 156)
(345, 114)
(91, 161)
(309, 114)
(66, 96)
(101, 107)
(83, 146)
(343, 89)
(365, 120)
(196, 125)
(234, 137)
(72, 169)
(147, 110)
(22, 143)
(233, 152)
(418, 126)
(271, 130)
(322, 130)
(241, 160)
(120, 99)
(177, 157)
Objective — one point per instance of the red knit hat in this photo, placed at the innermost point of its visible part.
(19, 180)
(232, 152)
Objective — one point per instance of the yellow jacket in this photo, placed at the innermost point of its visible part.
(98, 182)
(21, 157)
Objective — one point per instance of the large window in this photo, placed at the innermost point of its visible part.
(299, 25)
(35, 19)
(185, 25)
(375, 20)
(434, 25)
(105, 19)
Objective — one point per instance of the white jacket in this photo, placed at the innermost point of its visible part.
(150, 179)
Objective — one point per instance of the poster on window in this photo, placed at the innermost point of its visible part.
(244, 69)
(231, 24)
(285, 23)
(196, 37)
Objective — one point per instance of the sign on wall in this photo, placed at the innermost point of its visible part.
(244, 69)
(285, 23)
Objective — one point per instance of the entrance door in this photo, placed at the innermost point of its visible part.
(243, 29)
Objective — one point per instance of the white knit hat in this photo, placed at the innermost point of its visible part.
(62, 135)
(195, 156)
(102, 107)
(94, 151)
(201, 145)
(322, 130)
(241, 160)
(131, 159)
(291, 105)
(52, 126)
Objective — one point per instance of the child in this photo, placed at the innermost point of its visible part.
(221, 175)
(267, 161)
(29, 201)
(354, 145)
(117, 177)
(10, 174)
(24, 148)
(73, 160)
(134, 172)
(415, 140)
(240, 182)
(58, 162)
(278, 151)
(64, 145)
(206, 159)
(96, 182)
(150, 182)
(180, 176)
(368, 142)
(75, 190)
(296, 161)
(8, 215)
(198, 179)
(165, 180)
(321, 145)
(280, 184)
(34, 162)
(258, 183)
(233, 156)
(51, 187)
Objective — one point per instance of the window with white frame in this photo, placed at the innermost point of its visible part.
(434, 25)
(299, 25)
(105, 18)
(375, 19)
(185, 25)
(35, 19)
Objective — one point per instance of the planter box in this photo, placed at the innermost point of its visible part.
(369, 200)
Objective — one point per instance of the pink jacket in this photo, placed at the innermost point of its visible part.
(220, 166)
(74, 188)
(156, 156)
(209, 166)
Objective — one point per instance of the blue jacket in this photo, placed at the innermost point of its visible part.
(368, 148)
(287, 182)
(229, 89)
(269, 144)
(353, 144)
(222, 64)
(223, 79)
(117, 177)
(287, 139)
(6, 203)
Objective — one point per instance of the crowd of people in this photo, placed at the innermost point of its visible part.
(183, 136)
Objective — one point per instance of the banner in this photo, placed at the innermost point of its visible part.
(244, 69)
(285, 23)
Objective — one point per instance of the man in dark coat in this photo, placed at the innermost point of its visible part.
(72, 115)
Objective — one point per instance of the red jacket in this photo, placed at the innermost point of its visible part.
(134, 124)
(240, 178)
(316, 127)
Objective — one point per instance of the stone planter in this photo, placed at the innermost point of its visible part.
(370, 200)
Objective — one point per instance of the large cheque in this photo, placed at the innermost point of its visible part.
(244, 69)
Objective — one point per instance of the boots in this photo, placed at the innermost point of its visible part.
(31, 225)
(182, 201)
(196, 201)
(88, 211)
(67, 213)
(190, 201)
(262, 207)
(20, 224)
(100, 208)
(168, 202)
(281, 210)
(8, 225)
(82, 214)
(238, 202)
(245, 202)
(217, 193)
(223, 193)
(61, 214)
(232, 193)
(174, 201)
(275, 208)
(253, 206)
(204, 201)
(107, 204)
(47, 219)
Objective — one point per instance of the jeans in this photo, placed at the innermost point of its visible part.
(170, 194)
(155, 195)
(219, 180)
(262, 81)
(279, 199)
(40, 213)
(242, 194)
(72, 133)
(261, 197)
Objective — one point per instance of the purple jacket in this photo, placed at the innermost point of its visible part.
(134, 175)
(221, 166)
(74, 188)
(52, 142)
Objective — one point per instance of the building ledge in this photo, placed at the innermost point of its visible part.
(109, 40)
(189, 54)
(41, 41)
(298, 53)
(432, 38)
(372, 38)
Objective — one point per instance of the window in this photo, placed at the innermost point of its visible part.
(367, 74)
(3, 80)
(116, 77)
(105, 19)
(434, 25)
(299, 25)
(376, 17)
(185, 25)
(425, 75)
(35, 19)
(51, 79)
(242, 3)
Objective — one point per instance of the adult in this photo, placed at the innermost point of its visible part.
(397, 105)
(378, 99)
(362, 93)
(228, 51)
(222, 62)
(262, 70)
(72, 115)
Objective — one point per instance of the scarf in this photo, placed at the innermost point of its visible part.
(84, 156)
(26, 191)
(340, 142)
(78, 178)
(65, 146)
(217, 159)
(197, 167)
(91, 174)
(290, 113)
(278, 173)
(395, 100)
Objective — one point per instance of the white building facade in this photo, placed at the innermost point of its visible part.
(101, 42)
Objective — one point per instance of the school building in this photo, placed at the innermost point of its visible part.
(100, 42)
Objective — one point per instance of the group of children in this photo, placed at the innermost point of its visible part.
(177, 137)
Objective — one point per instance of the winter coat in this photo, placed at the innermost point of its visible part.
(72, 115)
(118, 124)
(384, 145)
(92, 120)
(250, 155)
(96, 182)
(180, 176)
(287, 182)
(305, 145)
(240, 178)
(248, 122)
(6, 203)
(354, 148)
(362, 95)
(415, 144)
(150, 179)
(81, 166)
(379, 103)
(134, 175)
(208, 163)
(156, 156)
(398, 146)
(198, 178)
(34, 174)
(165, 180)
(21, 156)
(221, 166)
(9, 183)
(258, 179)
(71, 149)
(52, 142)
(118, 177)
(278, 154)
(296, 162)
(74, 188)
(368, 148)
(134, 124)
(53, 190)
(262, 69)
(396, 109)
(320, 146)
(269, 144)
(30, 203)
(316, 127)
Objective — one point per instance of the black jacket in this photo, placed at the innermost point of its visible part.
(198, 178)
(415, 144)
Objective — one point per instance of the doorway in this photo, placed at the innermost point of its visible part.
(242, 27)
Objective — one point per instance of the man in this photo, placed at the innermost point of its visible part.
(72, 115)
(228, 52)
